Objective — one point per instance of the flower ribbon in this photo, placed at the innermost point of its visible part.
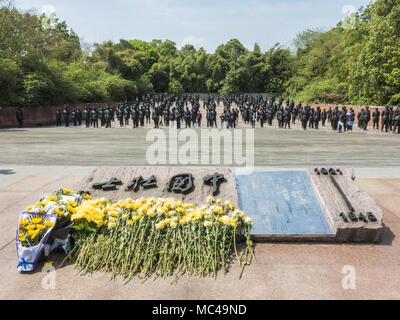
(23, 263)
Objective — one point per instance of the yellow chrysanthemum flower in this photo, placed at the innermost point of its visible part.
(39, 204)
(151, 213)
(218, 210)
(68, 191)
(53, 198)
(207, 223)
(112, 225)
(40, 227)
(36, 220)
(72, 203)
(70, 209)
(33, 236)
(59, 212)
(160, 226)
(33, 233)
(49, 224)
(28, 208)
(23, 222)
(180, 210)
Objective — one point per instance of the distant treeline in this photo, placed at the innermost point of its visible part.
(353, 63)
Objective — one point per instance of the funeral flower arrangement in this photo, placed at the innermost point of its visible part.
(61, 203)
(38, 221)
(152, 236)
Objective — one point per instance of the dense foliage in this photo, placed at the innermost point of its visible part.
(48, 66)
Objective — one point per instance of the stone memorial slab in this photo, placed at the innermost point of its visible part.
(282, 204)
(356, 216)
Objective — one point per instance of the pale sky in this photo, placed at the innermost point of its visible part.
(202, 23)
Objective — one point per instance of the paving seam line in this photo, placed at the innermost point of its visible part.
(6, 245)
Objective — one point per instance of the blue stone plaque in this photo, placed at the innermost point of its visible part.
(281, 203)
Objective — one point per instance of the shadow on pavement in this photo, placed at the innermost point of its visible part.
(7, 172)
(387, 236)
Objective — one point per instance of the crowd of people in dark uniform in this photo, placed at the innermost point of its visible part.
(187, 111)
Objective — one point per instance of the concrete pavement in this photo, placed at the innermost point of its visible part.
(281, 271)
(75, 146)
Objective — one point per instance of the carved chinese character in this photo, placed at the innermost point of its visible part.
(149, 183)
(107, 186)
(135, 185)
(181, 183)
(215, 181)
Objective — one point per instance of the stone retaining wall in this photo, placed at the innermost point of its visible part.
(39, 116)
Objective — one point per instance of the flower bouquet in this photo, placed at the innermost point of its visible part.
(32, 234)
(62, 204)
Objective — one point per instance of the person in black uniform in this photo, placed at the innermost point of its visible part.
(74, 117)
(120, 116)
(262, 118)
(287, 117)
(317, 117)
(107, 115)
(126, 116)
(396, 119)
(311, 120)
(366, 117)
(95, 118)
(20, 117)
(141, 116)
(385, 119)
(58, 117)
(156, 118)
(232, 118)
(147, 113)
(166, 116)
(323, 117)
(66, 116)
(335, 118)
(134, 116)
(87, 117)
(375, 119)
(279, 117)
(178, 117)
(391, 117)
(79, 116)
(360, 118)
(172, 121)
(187, 117)
(102, 117)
